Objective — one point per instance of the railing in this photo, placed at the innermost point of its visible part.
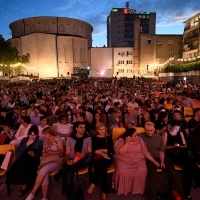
(194, 35)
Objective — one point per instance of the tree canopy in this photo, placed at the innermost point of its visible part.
(10, 58)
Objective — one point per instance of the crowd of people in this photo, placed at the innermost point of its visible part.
(67, 125)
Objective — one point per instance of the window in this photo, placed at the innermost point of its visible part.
(180, 42)
(159, 41)
(170, 41)
(170, 53)
(149, 41)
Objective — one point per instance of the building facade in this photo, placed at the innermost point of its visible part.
(191, 37)
(145, 59)
(121, 25)
(56, 45)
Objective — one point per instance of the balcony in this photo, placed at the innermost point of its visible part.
(186, 28)
(192, 36)
(190, 48)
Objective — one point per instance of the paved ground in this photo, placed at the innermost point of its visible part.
(55, 190)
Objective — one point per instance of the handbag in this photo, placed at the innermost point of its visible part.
(48, 159)
(99, 156)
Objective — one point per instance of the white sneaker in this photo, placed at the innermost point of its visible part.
(30, 197)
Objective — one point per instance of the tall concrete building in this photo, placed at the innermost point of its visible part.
(121, 26)
(57, 45)
(191, 37)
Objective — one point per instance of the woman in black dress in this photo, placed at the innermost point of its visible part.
(102, 154)
(24, 169)
(176, 151)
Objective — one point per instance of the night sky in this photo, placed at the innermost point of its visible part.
(170, 14)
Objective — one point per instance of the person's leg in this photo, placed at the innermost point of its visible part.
(103, 176)
(45, 191)
(38, 182)
(69, 184)
(43, 175)
(83, 163)
(173, 175)
(187, 172)
(71, 169)
(152, 179)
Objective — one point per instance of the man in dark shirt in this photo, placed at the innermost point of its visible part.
(195, 121)
(155, 146)
(177, 114)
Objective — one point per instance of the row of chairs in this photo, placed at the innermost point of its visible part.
(115, 134)
(188, 111)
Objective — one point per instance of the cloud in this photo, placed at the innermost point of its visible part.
(70, 4)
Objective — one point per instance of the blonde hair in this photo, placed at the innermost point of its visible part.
(149, 124)
(98, 126)
(49, 130)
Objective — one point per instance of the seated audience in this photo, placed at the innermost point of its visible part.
(130, 163)
(176, 150)
(7, 135)
(24, 170)
(63, 128)
(102, 148)
(78, 155)
(53, 145)
(22, 131)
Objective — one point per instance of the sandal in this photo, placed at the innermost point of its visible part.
(22, 192)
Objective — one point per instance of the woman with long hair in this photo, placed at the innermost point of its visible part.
(96, 121)
(102, 147)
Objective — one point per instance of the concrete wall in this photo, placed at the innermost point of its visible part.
(147, 52)
(108, 61)
(51, 55)
(101, 62)
(51, 25)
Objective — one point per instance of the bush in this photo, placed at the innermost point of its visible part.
(186, 67)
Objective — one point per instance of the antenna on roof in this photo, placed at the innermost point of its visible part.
(127, 4)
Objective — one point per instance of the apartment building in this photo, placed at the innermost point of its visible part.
(191, 37)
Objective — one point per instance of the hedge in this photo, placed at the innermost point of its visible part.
(186, 67)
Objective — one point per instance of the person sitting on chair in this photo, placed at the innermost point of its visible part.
(78, 155)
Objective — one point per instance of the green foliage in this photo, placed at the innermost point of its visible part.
(10, 58)
(185, 67)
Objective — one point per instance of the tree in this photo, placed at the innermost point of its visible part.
(10, 58)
